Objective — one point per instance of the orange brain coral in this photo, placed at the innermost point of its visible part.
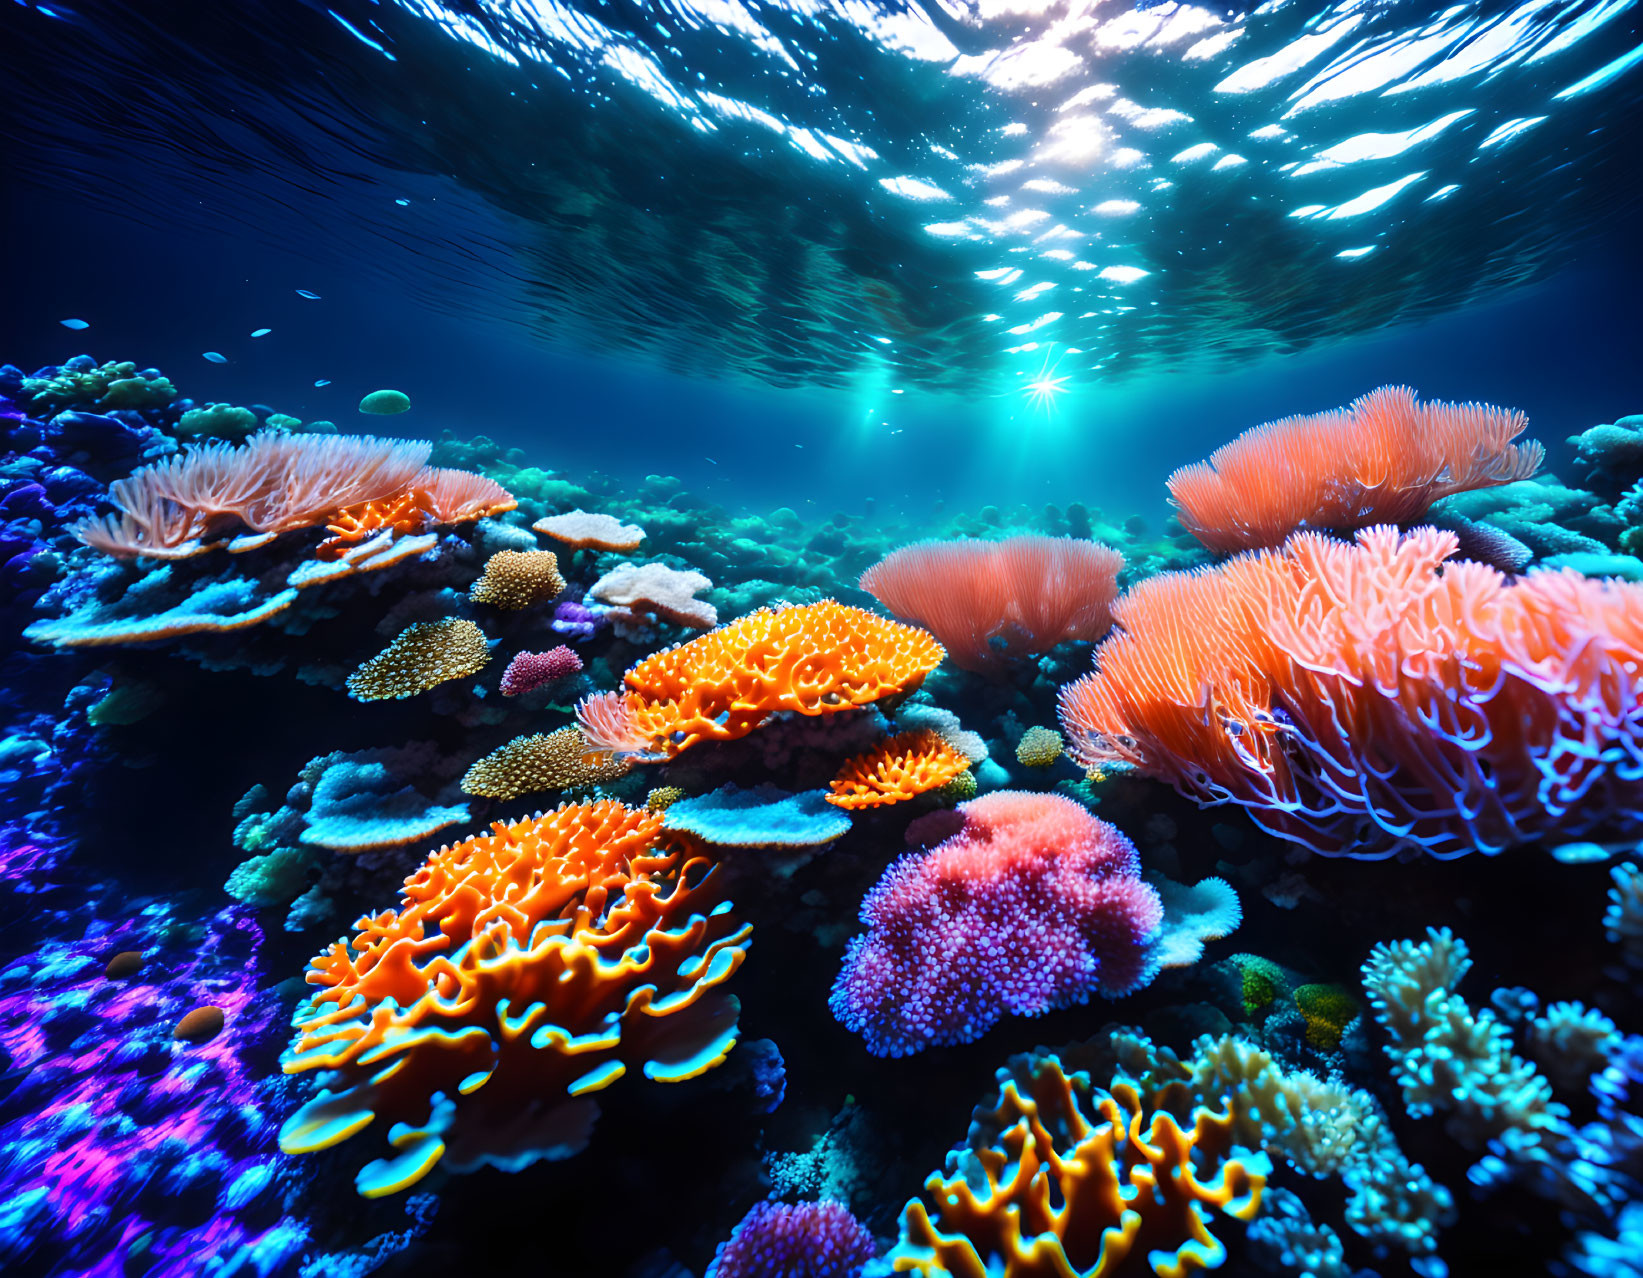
(1062, 1178)
(811, 659)
(524, 970)
(1358, 700)
(1383, 460)
(278, 482)
(898, 768)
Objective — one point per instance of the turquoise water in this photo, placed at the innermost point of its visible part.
(785, 288)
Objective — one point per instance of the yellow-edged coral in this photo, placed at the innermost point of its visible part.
(1328, 1010)
(1039, 747)
(516, 579)
(1061, 1178)
(810, 659)
(898, 768)
(423, 655)
(662, 798)
(541, 761)
(523, 971)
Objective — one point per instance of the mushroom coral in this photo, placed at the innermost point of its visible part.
(991, 601)
(524, 970)
(898, 768)
(1385, 459)
(1060, 1177)
(1366, 698)
(812, 659)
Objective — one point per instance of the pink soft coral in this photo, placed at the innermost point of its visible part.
(530, 670)
(1033, 905)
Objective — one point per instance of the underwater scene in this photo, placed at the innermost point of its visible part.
(821, 638)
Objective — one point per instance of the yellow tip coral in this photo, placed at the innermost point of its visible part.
(424, 655)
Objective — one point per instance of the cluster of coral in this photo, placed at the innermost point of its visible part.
(961, 784)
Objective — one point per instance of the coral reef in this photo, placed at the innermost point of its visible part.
(516, 579)
(797, 1240)
(422, 656)
(898, 768)
(542, 761)
(529, 671)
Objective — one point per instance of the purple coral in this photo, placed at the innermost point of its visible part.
(530, 670)
(794, 1240)
(575, 619)
(1033, 905)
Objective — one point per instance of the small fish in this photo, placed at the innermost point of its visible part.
(404, 204)
(74, 323)
(262, 332)
(711, 460)
(214, 357)
(312, 297)
(798, 445)
(324, 381)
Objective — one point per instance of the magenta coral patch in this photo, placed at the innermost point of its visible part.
(530, 670)
(1033, 905)
(794, 1240)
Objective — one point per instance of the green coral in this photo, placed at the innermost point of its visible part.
(222, 420)
(961, 789)
(1328, 1010)
(111, 385)
(1263, 980)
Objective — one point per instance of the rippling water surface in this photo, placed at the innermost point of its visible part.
(976, 197)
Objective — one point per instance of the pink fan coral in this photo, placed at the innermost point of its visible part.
(1033, 905)
(1385, 459)
(1362, 699)
(530, 670)
(989, 601)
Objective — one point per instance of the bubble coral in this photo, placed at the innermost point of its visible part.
(993, 601)
(1039, 747)
(1033, 905)
(1059, 1177)
(794, 1240)
(579, 528)
(1366, 698)
(516, 579)
(523, 971)
(424, 654)
(1384, 460)
(812, 659)
(531, 670)
(541, 761)
(898, 768)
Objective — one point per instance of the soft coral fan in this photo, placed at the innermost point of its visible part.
(1366, 698)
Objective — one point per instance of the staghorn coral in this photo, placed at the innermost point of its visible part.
(813, 659)
(1039, 747)
(531, 670)
(898, 768)
(1033, 905)
(579, 528)
(1359, 700)
(794, 1240)
(516, 579)
(1061, 1177)
(524, 970)
(423, 655)
(541, 761)
(990, 602)
(1385, 459)
(669, 593)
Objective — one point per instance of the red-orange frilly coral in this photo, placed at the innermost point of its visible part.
(1385, 459)
(812, 659)
(898, 768)
(523, 971)
(1359, 700)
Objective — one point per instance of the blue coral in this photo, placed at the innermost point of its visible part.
(794, 1240)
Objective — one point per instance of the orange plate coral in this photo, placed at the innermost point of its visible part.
(524, 970)
(811, 659)
(898, 768)
(1358, 700)
(1383, 460)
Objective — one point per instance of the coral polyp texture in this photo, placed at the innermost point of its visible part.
(1039, 747)
(1062, 1178)
(422, 656)
(794, 1240)
(529, 671)
(581, 528)
(541, 761)
(811, 659)
(516, 579)
(991, 602)
(524, 971)
(220, 494)
(1032, 905)
(898, 768)
(1366, 698)
(1385, 459)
